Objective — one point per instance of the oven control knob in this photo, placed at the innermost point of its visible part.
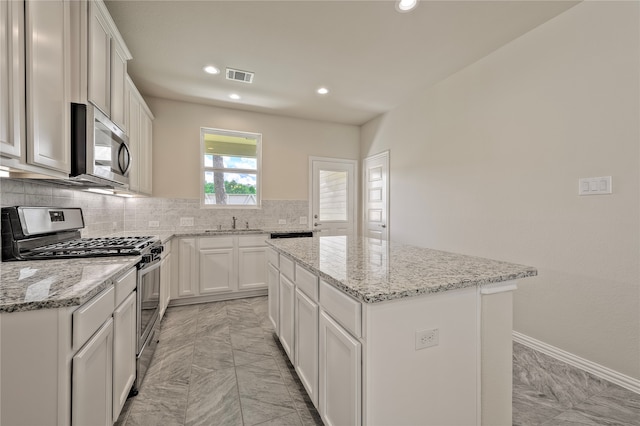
(157, 250)
(147, 258)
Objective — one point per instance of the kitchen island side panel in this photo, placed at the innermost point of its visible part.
(436, 385)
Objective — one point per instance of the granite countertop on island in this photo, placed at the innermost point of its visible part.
(57, 283)
(373, 270)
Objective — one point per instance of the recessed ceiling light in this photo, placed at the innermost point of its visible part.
(234, 96)
(210, 69)
(322, 91)
(407, 5)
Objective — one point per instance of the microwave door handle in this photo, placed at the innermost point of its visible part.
(126, 159)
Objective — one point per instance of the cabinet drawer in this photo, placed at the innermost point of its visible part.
(216, 242)
(342, 307)
(125, 285)
(307, 282)
(252, 240)
(273, 257)
(287, 267)
(88, 318)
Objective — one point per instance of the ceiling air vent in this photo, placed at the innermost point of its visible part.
(238, 75)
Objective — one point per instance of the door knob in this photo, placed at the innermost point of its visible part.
(383, 226)
(316, 224)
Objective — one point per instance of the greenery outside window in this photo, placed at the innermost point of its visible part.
(231, 163)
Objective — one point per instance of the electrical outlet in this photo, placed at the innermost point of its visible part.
(282, 221)
(427, 338)
(186, 221)
(154, 224)
(303, 220)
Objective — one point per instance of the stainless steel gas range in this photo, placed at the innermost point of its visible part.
(40, 233)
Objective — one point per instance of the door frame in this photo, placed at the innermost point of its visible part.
(356, 196)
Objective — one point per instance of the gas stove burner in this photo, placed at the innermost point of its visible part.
(102, 242)
(54, 233)
(102, 246)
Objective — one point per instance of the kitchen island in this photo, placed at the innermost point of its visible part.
(384, 333)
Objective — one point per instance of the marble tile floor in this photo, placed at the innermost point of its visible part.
(549, 392)
(218, 364)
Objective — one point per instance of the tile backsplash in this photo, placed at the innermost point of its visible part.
(105, 214)
(168, 212)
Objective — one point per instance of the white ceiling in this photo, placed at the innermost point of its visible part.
(369, 56)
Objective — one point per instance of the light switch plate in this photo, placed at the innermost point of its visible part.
(154, 224)
(186, 221)
(303, 220)
(594, 186)
(282, 221)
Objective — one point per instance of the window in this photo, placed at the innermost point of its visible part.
(333, 195)
(231, 163)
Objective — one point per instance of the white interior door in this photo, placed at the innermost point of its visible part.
(375, 195)
(333, 195)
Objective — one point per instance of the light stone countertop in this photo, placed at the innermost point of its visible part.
(42, 284)
(373, 271)
(166, 236)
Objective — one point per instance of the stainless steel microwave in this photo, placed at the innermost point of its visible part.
(99, 149)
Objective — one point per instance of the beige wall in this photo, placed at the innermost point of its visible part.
(287, 144)
(487, 163)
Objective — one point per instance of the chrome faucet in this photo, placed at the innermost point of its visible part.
(234, 222)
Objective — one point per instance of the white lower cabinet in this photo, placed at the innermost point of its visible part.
(286, 298)
(217, 273)
(79, 362)
(251, 267)
(221, 267)
(273, 281)
(124, 352)
(306, 343)
(340, 371)
(91, 388)
(325, 353)
(187, 280)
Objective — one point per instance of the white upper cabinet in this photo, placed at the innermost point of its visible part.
(103, 60)
(99, 67)
(12, 86)
(145, 156)
(140, 131)
(118, 78)
(47, 84)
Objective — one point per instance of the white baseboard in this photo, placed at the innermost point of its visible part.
(597, 370)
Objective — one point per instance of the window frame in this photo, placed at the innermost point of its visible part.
(257, 171)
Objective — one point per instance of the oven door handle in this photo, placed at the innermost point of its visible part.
(146, 269)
